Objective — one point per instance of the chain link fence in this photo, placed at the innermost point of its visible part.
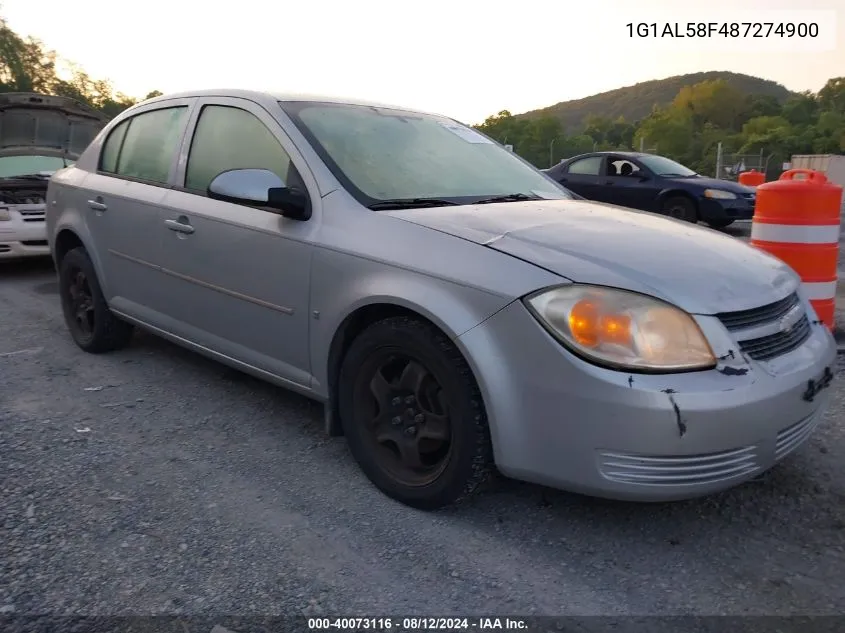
(730, 165)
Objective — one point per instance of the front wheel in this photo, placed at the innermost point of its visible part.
(413, 415)
(680, 208)
(92, 325)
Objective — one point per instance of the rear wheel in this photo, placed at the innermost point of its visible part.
(680, 208)
(719, 224)
(92, 325)
(413, 415)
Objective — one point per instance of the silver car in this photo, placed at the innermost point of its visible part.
(454, 308)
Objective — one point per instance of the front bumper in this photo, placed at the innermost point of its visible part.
(560, 421)
(721, 210)
(25, 234)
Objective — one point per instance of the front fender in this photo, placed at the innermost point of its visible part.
(343, 284)
(675, 191)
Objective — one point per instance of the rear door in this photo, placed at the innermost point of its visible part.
(122, 205)
(582, 176)
(239, 276)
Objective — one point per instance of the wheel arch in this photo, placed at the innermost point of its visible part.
(355, 322)
(674, 192)
(66, 240)
(664, 195)
(67, 236)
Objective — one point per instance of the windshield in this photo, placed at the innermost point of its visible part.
(663, 166)
(11, 166)
(383, 154)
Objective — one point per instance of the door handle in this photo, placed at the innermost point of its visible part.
(97, 205)
(179, 227)
(608, 182)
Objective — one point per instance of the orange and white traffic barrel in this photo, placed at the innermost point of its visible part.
(752, 178)
(798, 221)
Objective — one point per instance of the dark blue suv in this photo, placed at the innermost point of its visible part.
(655, 183)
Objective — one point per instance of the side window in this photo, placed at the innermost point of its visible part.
(111, 148)
(621, 167)
(586, 166)
(150, 144)
(230, 138)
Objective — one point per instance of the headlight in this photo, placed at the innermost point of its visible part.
(622, 330)
(5, 215)
(718, 194)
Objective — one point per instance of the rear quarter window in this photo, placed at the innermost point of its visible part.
(111, 148)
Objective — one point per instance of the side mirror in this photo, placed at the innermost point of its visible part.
(260, 187)
(642, 177)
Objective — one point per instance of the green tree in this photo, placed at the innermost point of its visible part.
(801, 109)
(26, 65)
(762, 105)
(715, 102)
(597, 128)
(832, 95)
(621, 134)
(670, 129)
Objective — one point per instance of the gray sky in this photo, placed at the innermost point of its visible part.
(464, 58)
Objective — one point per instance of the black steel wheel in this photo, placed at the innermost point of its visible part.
(680, 208)
(92, 325)
(412, 414)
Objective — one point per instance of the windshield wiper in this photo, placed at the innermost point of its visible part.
(410, 203)
(509, 197)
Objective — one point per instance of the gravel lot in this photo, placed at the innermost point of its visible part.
(154, 481)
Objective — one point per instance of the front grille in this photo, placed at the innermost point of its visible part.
(687, 470)
(771, 345)
(758, 316)
(32, 216)
(767, 347)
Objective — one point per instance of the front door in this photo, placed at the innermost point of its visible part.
(238, 275)
(121, 203)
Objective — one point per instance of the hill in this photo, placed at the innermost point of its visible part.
(636, 102)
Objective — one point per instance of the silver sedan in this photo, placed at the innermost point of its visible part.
(454, 308)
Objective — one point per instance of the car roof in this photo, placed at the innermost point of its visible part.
(261, 95)
(623, 154)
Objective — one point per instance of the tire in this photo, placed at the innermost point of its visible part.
(719, 224)
(448, 391)
(92, 325)
(680, 208)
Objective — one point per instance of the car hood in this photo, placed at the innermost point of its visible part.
(714, 183)
(42, 125)
(697, 269)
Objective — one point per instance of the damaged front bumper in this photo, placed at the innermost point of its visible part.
(560, 421)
